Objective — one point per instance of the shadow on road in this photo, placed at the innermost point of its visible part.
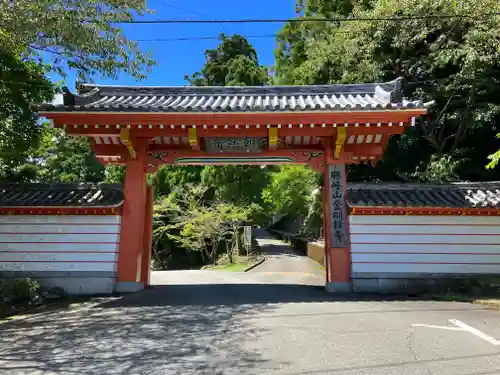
(272, 245)
(280, 249)
(170, 329)
(161, 330)
(242, 295)
(223, 294)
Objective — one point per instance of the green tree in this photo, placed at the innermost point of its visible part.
(494, 158)
(291, 189)
(114, 174)
(169, 177)
(295, 40)
(37, 37)
(235, 183)
(233, 63)
(70, 159)
(76, 34)
(22, 87)
(454, 61)
(185, 217)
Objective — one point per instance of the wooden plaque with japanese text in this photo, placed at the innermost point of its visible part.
(338, 209)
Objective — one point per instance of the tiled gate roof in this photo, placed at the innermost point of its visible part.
(60, 195)
(100, 98)
(452, 195)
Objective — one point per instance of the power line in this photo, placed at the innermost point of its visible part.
(302, 20)
(195, 38)
(192, 12)
(208, 37)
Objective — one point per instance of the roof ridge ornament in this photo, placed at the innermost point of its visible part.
(397, 93)
(85, 95)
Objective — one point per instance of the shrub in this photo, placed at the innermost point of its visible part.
(18, 289)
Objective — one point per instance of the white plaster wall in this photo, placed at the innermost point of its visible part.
(59, 243)
(399, 245)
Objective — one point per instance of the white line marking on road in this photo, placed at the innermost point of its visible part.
(438, 327)
(475, 331)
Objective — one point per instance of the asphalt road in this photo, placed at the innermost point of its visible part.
(213, 322)
(236, 326)
(284, 264)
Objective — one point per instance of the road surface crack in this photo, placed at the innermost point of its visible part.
(409, 344)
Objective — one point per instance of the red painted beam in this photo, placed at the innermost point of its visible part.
(109, 150)
(374, 130)
(149, 118)
(252, 131)
(108, 162)
(359, 150)
(419, 211)
(169, 156)
(364, 149)
(163, 148)
(93, 132)
(114, 210)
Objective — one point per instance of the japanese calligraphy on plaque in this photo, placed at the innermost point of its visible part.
(338, 209)
(234, 144)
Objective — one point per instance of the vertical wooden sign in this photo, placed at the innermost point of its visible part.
(338, 209)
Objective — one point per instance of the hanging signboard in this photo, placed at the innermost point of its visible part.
(338, 209)
(234, 144)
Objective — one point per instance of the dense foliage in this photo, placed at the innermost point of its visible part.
(77, 34)
(50, 36)
(452, 61)
(233, 63)
(22, 86)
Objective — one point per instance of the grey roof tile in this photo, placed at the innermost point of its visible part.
(452, 195)
(60, 195)
(236, 99)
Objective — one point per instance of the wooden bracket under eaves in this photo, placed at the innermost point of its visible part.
(273, 138)
(128, 142)
(340, 141)
(193, 139)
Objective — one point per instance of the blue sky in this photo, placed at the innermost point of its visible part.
(176, 59)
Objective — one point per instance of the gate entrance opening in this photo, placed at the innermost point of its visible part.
(325, 127)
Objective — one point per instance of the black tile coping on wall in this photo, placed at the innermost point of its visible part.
(60, 195)
(449, 195)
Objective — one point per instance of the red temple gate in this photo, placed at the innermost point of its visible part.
(325, 127)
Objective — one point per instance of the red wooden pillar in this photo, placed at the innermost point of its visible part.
(336, 226)
(132, 227)
(148, 237)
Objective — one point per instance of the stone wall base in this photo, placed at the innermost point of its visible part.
(128, 287)
(338, 287)
(81, 286)
(415, 284)
(73, 283)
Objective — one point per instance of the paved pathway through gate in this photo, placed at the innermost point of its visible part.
(283, 262)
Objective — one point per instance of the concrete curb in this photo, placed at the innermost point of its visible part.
(255, 264)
